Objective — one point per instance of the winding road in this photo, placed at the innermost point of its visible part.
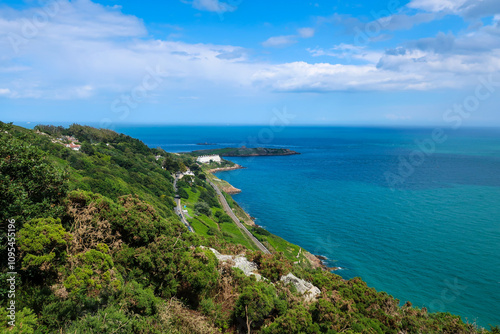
(179, 208)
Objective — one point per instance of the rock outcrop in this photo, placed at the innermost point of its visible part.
(306, 289)
(240, 262)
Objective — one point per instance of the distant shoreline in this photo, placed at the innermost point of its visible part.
(245, 152)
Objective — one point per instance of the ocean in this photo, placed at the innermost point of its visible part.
(414, 212)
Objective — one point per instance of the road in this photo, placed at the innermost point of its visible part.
(179, 209)
(231, 214)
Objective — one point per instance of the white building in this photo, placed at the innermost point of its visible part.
(205, 159)
(74, 146)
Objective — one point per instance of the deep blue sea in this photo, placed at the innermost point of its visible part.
(422, 224)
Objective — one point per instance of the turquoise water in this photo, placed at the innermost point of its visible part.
(433, 239)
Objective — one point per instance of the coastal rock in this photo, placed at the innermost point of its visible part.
(231, 190)
(225, 169)
(240, 262)
(306, 289)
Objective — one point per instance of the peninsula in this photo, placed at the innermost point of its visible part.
(245, 152)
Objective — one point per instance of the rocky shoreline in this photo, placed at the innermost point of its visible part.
(225, 169)
(231, 190)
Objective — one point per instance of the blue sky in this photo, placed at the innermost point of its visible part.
(391, 63)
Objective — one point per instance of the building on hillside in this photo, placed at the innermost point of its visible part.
(205, 159)
(74, 146)
(180, 175)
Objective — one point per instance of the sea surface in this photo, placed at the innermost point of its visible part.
(421, 222)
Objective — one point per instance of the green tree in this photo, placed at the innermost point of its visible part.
(42, 245)
(297, 320)
(255, 303)
(25, 322)
(183, 193)
(202, 208)
(31, 186)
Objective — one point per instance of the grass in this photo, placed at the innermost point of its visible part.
(220, 183)
(202, 224)
(236, 235)
(199, 227)
(238, 211)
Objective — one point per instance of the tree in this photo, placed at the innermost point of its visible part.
(87, 149)
(31, 186)
(224, 218)
(255, 303)
(183, 193)
(296, 320)
(202, 208)
(42, 243)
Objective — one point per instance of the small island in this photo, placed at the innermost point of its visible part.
(245, 152)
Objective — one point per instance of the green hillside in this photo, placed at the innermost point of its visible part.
(99, 248)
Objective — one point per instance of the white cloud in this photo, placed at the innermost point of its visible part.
(91, 50)
(437, 5)
(324, 77)
(213, 6)
(348, 52)
(279, 41)
(88, 49)
(306, 32)
(466, 8)
(282, 41)
(4, 91)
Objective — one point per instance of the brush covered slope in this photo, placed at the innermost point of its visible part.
(99, 249)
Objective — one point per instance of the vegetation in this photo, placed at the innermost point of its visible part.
(100, 250)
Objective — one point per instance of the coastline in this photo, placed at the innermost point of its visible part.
(316, 261)
(229, 189)
(225, 169)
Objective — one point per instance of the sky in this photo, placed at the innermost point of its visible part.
(380, 63)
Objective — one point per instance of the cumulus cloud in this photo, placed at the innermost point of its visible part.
(306, 32)
(325, 77)
(279, 41)
(4, 91)
(466, 8)
(282, 41)
(213, 5)
(437, 5)
(89, 49)
(348, 52)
